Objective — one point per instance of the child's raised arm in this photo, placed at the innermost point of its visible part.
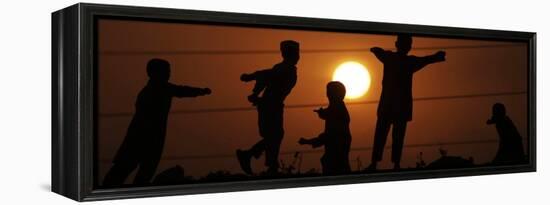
(260, 77)
(322, 113)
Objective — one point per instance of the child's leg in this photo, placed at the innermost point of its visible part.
(398, 137)
(273, 132)
(118, 173)
(265, 128)
(272, 151)
(146, 171)
(257, 149)
(380, 137)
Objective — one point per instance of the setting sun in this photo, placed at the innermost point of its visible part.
(355, 77)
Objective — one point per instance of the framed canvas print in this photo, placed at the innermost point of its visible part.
(154, 102)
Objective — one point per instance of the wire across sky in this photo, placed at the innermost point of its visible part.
(251, 108)
(256, 52)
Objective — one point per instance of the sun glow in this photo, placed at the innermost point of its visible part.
(355, 77)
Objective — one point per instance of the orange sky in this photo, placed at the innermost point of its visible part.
(467, 71)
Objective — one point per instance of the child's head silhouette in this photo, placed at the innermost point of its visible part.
(336, 91)
(403, 43)
(499, 110)
(290, 51)
(158, 70)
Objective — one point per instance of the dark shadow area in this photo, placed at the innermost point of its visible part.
(174, 175)
(46, 187)
(450, 162)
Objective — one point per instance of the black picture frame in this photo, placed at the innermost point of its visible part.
(73, 93)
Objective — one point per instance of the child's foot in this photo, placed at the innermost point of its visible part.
(272, 171)
(244, 161)
(371, 167)
(396, 166)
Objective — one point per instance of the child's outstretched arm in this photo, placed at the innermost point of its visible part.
(379, 53)
(188, 91)
(322, 113)
(260, 77)
(314, 142)
(421, 62)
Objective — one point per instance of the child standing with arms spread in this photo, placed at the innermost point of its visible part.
(396, 102)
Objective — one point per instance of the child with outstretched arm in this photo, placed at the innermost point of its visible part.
(336, 137)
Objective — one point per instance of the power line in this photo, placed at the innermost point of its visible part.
(309, 151)
(313, 51)
(237, 109)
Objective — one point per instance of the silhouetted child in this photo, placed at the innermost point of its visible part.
(336, 137)
(274, 84)
(396, 102)
(510, 149)
(142, 147)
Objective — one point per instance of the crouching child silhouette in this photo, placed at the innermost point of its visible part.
(336, 137)
(510, 149)
(144, 142)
